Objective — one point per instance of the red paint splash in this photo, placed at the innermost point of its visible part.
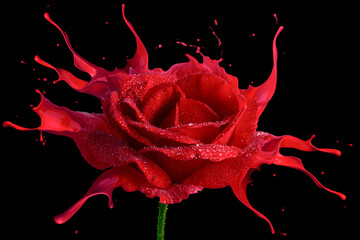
(180, 153)
(219, 41)
(276, 18)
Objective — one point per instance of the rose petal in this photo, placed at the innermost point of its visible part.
(159, 101)
(219, 174)
(246, 125)
(171, 119)
(130, 109)
(222, 173)
(98, 143)
(115, 115)
(181, 162)
(175, 194)
(108, 149)
(126, 177)
(234, 172)
(181, 70)
(214, 67)
(130, 180)
(177, 170)
(211, 152)
(211, 90)
(160, 137)
(226, 134)
(193, 111)
(192, 67)
(203, 132)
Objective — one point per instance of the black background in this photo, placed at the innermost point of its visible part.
(316, 94)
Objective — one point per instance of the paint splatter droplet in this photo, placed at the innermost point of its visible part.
(276, 19)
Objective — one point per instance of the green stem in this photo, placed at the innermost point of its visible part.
(161, 221)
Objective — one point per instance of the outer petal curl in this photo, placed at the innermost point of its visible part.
(99, 144)
(130, 179)
(269, 153)
(126, 177)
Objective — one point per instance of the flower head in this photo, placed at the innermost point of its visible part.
(169, 133)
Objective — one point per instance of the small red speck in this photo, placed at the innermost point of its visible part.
(106, 23)
(42, 138)
(45, 79)
(76, 232)
(198, 40)
(103, 58)
(182, 43)
(275, 16)
(215, 22)
(160, 46)
(274, 175)
(252, 35)
(33, 69)
(322, 173)
(23, 62)
(219, 41)
(230, 65)
(58, 44)
(350, 144)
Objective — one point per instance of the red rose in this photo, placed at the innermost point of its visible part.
(169, 133)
